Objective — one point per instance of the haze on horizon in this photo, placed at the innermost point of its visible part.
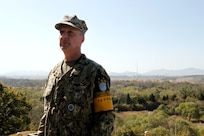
(137, 36)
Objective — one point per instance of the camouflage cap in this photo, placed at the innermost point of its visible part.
(73, 21)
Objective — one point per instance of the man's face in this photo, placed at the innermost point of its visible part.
(70, 39)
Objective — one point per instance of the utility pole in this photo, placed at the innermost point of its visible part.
(175, 129)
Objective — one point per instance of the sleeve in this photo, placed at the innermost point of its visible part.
(103, 106)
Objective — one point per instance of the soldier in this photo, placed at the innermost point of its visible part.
(77, 100)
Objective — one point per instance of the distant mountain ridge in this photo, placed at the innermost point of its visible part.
(161, 72)
(184, 72)
(26, 74)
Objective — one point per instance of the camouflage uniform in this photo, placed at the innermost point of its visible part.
(77, 100)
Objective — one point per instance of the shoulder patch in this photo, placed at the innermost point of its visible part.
(103, 85)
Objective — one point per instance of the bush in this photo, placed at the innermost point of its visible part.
(13, 111)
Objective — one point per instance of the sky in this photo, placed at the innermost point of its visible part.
(123, 35)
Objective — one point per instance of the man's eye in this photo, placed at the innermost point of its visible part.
(70, 33)
(61, 32)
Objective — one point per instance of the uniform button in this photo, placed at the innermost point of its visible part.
(71, 107)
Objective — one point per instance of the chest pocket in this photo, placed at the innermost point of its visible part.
(78, 98)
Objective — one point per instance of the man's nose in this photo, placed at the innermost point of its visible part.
(65, 36)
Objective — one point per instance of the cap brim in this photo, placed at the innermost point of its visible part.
(58, 25)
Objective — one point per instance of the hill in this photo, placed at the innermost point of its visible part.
(162, 72)
(153, 73)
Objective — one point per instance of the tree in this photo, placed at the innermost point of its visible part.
(188, 110)
(163, 108)
(141, 100)
(152, 98)
(160, 131)
(128, 99)
(13, 111)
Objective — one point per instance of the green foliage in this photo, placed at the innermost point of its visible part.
(160, 131)
(166, 100)
(128, 99)
(34, 97)
(152, 98)
(13, 111)
(128, 126)
(184, 128)
(19, 83)
(201, 130)
(188, 110)
(148, 95)
(157, 123)
(33, 91)
(165, 107)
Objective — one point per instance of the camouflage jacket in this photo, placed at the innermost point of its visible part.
(77, 102)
